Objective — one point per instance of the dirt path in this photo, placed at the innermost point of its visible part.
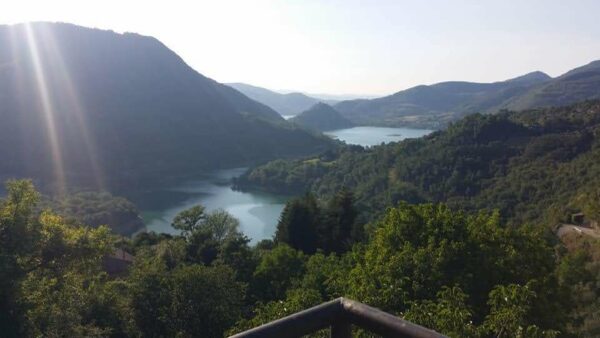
(564, 229)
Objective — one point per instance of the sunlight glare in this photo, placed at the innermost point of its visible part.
(47, 109)
(74, 105)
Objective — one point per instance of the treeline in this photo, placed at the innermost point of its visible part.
(534, 166)
(97, 208)
(307, 225)
(465, 275)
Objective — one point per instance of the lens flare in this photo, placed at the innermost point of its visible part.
(74, 104)
(47, 109)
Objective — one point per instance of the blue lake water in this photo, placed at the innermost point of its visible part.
(258, 212)
(370, 136)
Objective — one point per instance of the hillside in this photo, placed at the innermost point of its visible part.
(92, 107)
(285, 104)
(535, 165)
(436, 105)
(321, 117)
(579, 84)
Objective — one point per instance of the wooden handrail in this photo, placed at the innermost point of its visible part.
(339, 314)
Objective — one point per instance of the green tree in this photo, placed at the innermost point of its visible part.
(54, 279)
(276, 272)
(222, 225)
(19, 230)
(339, 229)
(449, 314)
(419, 249)
(295, 301)
(298, 224)
(184, 301)
(189, 220)
(205, 300)
(510, 306)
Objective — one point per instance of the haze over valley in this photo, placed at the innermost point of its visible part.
(159, 182)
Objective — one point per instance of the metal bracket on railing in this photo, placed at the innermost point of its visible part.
(339, 314)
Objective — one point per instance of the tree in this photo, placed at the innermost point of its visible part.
(276, 272)
(417, 250)
(19, 229)
(510, 307)
(185, 301)
(189, 220)
(222, 225)
(338, 230)
(296, 300)
(51, 271)
(206, 234)
(205, 300)
(150, 297)
(449, 314)
(298, 223)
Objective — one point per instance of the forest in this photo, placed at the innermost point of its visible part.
(461, 273)
(143, 198)
(535, 166)
(452, 231)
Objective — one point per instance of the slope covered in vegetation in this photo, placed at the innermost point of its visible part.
(465, 275)
(97, 108)
(321, 117)
(436, 105)
(533, 165)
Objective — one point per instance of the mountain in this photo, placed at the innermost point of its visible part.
(436, 105)
(285, 104)
(579, 84)
(535, 166)
(321, 117)
(94, 107)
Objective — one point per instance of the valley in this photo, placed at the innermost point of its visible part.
(143, 198)
(257, 210)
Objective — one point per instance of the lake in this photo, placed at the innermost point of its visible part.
(370, 136)
(258, 212)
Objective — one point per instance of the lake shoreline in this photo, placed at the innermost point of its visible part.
(258, 208)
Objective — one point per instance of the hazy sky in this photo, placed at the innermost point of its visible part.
(347, 46)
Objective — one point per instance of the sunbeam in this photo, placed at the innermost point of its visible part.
(75, 106)
(47, 109)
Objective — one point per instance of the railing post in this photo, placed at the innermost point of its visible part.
(341, 329)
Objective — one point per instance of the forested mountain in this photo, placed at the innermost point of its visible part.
(321, 117)
(284, 104)
(90, 106)
(436, 105)
(534, 165)
(579, 84)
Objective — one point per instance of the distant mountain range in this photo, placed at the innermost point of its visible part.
(436, 105)
(90, 106)
(321, 117)
(284, 104)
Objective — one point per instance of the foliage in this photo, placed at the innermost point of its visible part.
(321, 117)
(51, 271)
(276, 272)
(307, 225)
(464, 274)
(133, 113)
(534, 166)
(99, 208)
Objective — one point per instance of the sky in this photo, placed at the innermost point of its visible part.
(373, 48)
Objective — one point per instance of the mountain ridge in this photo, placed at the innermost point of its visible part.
(285, 104)
(436, 105)
(77, 101)
(321, 117)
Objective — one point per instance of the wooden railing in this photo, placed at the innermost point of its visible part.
(339, 315)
